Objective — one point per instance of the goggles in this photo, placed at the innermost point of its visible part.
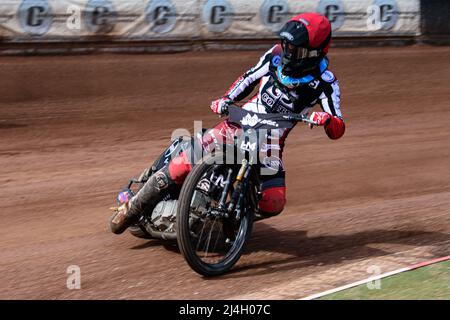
(297, 53)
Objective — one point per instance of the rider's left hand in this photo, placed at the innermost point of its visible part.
(321, 118)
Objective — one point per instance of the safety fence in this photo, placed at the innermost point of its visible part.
(71, 21)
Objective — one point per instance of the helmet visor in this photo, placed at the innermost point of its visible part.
(292, 52)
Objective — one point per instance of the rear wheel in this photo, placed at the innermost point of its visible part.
(210, 242)
(139, 232)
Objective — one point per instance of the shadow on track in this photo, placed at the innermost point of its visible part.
(307, 251)
(304, 251)
(168, 245)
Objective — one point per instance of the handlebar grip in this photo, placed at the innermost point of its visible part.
(310, 121)
(225, 109)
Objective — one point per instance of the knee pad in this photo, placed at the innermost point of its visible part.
(272, 201)
(179, 168)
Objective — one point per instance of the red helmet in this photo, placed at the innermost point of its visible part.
(305, 40)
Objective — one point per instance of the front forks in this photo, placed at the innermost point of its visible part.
(237, 197)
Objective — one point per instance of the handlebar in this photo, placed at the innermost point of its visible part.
(299, 118)
(294, 117)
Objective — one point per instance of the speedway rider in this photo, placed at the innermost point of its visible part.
(293, 76)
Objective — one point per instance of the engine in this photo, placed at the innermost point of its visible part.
(164, 216)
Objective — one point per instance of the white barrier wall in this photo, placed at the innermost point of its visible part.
(262, 18)
(77, 20)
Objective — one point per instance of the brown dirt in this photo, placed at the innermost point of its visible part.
(73, 130)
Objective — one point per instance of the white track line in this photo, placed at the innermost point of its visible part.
(384, 275)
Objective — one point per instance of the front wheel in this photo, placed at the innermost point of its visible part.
(211, 243)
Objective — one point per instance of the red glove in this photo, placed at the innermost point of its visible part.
(334, 126)
(220, 106)
(335, 129)
(321, 118)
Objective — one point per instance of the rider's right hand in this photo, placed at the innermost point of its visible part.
(220, 106)
(320, 118)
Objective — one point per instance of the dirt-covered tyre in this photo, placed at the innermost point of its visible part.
(236, 232)
(139, 232)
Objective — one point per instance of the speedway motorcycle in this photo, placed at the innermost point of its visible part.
(211, 217)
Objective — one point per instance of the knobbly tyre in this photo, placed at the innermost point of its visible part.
(211, 216)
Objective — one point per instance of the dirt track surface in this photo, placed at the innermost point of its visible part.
(73, 130)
